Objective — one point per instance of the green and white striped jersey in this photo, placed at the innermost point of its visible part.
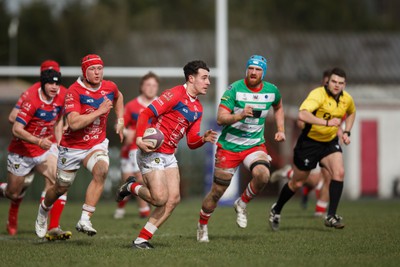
(248, 132)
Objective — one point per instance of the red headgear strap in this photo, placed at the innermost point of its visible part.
(90, 60)
(49, 64)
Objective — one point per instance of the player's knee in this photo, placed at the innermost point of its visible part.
(12, 195)
(100, 171)
(261, 174)
(295, 184)
(219, 186)
(64, 178)
(98, 163)
(159, 200)
(260, 166)
(338, 174)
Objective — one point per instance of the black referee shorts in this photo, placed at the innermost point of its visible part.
(308, 152)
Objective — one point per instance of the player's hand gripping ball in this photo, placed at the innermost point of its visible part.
(153, 136)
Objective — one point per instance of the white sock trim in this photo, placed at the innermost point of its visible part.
(137, 189)
(150, 227)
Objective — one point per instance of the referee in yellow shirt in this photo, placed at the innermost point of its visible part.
(321, 112)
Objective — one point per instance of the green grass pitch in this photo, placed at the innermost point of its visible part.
(371, 238)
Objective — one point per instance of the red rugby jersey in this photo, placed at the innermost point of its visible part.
(176, 114)
(39, 118)
(85, 100)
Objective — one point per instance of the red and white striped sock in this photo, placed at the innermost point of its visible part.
(146, 233)
(320, 207)
(204, 216)
(247, 195)
(134, 188)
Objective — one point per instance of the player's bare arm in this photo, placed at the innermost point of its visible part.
(119, 112)
(19, 131)
(308, 117)
(77, 121)
(280, 122)
(58, 129)
(13, 115)
(224, 117)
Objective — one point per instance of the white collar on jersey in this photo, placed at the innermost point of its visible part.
(48, 102)
(192, 99)
(81, 83)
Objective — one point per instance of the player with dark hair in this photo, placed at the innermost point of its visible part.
(321, 112)
(242, 112)
(87, 105)
(148, 92)
(37, 129)
(177, 112)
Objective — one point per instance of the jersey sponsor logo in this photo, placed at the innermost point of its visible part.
(168, 96)
(160, 102)
(253, 97)
(93, 102)
(327, 116)
(69, 106)
(251, 120)
(47, 116)
(27, 106)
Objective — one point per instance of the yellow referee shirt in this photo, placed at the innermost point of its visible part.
(323, 105)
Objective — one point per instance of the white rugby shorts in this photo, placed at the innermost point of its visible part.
(155, 161)
(22, 165)
(70, 159)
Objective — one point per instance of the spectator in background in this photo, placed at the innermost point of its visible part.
(87, 105)
(148, 92)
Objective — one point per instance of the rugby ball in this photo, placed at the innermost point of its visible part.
(153, 136)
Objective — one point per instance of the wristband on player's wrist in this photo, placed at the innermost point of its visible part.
(347, 132)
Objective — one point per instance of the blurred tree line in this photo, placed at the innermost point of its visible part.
(81, 27)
